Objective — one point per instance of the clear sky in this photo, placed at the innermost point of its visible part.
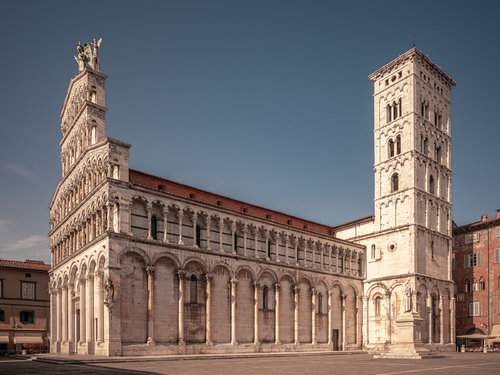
(267, 101)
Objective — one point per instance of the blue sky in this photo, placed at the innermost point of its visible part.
(264, 101)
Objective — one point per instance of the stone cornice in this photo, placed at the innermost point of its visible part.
(402, 59)
(404, 276)
(413, 154)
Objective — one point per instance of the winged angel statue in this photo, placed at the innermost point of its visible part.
(85, 55)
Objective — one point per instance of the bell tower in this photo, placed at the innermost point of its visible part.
(412, 135)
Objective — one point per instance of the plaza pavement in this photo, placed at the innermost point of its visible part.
(312, 363)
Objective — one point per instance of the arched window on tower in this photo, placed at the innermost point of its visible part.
(373, 252)
(474, 284)
(482, 284)
(388, 114)
(391, 148)
(394, 182)
(395, 110)
(438, 155)
(432, 249)
(320, 303)
(198, 235)
(467, 286)
(154, 227)
(398, 145)
(426, 147)
(431, 185)
(400, 107)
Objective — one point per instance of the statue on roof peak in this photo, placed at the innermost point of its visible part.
(85, 55)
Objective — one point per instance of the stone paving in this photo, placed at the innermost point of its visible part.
(454, 363)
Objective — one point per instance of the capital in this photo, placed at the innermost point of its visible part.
(277, 286)
(150, 270)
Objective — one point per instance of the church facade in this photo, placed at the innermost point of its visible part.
(142, 265)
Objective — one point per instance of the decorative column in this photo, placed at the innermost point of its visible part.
(330, 317)
(256, 234)
(322, 254)
(365, 301)
(296, 251)
(348, 254)
(59, 315)
(150, 270)
(313, 315)
(208, 279)
(429, 317)
(194, 219)
(441, 322)
(276, 247)
(388, 316)
(221, 226)
(110, 208)
(343, 298)
(180, 215)
(296, 291)
(256, 313)
(99, 305)
(208, 222)
(359, 323)
(89, 313)
(181, 274)
(92, 226)
(71, 318)
(64, 324)
(53, 318)
(233, 312)
(83, 311)
(233, 233)
(245, 232)
(165, 224)
(313, 250)
(286, 240)
(267, 246)
(452, 320)
(277, 314)
(149, 209)
(330, 259)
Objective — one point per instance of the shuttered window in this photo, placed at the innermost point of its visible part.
(472, 260)
(497, 255)
(472, 237)
(475, 308)
(497, 232)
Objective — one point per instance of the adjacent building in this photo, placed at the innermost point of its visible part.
(24, 306)
(476, 272)
(143, 265)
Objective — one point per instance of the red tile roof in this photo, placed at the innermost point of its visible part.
(38, 265)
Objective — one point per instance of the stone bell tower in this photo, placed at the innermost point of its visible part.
(408, 238)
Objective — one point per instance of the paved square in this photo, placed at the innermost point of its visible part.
(455, 363)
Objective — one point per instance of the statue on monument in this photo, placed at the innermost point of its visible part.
(407, 294)
(85, 55)
(109, 293)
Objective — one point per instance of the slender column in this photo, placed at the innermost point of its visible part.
(452, 320)
(359, 323)
(83, 311)
(92, 227)
(233, 233)
(99, 305)
(277, 314)
(59, 315)
(296, 251)
(110, 208)
(429, 317)
(194, 219)
(221, 226)
(245, 232)
(337, 251)
(276, 247)
(71, 314)
(349, 254)
(53, 316)
(208, 222)
(388, 317)
(441, 322)
(256, 234)
(64, 313)
(330, 259)
(322, 252)
(365, 301)
(150, 271)
(267, 246)
(89, 313)
(165, 224)
(256, 313)
(233, 312)
(344, 344)
(329, 317)
(286, 240)
(313, 250)
(180, 215)
(313, 315)
(208, 279)
(296, 291)
(149, 209)
(181, 274)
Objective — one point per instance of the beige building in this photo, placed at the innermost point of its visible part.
(24, 306)
(149, 266)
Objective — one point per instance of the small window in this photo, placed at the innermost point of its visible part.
(160, 187)
(219, 203)
(391, 148)
(193, 289)
(320, 303)
(305, 226)
(482, 284)
(426, 147)
(431, 185)
(192, 196)
(244, 210)
(373, 252)
(394, 182)
(455, 288)
(268, 249)
(289, 222)
(467, 286)
(497, 255)
(268, 216)
(475, 308)
(432, 250)
(26, 317)
(497, 232)
(377, 306)
(265, 295)
(235, 242)
(28, 275)
(2, 316)
(28, 291)
(398, 145)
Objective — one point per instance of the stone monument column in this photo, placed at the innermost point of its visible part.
(233, 312)
(366, 329)
(313, 315)
(441, 322)
(165, 224)
(277, 314)
(181, 274)
(452, 320)
(329, 317)
(296, 291)
(194, 219)
(180, 215)
(208, 222)
(83, 311)
(150, 272)
(343, 298)
(256, 313)
(208, 279)
(99, 305)
(89, 313)
(388, 317)
(59, 316)
(64, 313)
(429, 317)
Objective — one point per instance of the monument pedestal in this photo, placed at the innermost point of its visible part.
(409, 344)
